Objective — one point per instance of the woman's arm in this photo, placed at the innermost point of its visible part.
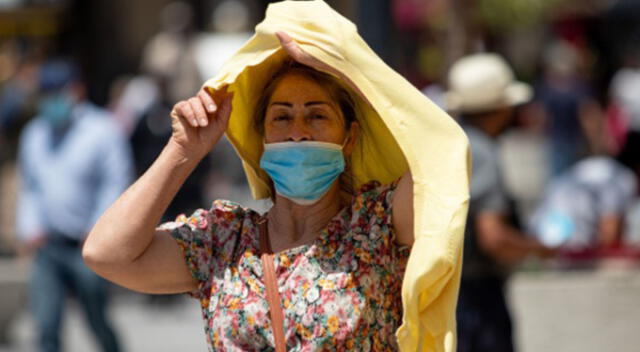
(124, 245)
(402, 208)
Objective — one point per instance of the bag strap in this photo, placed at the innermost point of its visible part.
(271, 288)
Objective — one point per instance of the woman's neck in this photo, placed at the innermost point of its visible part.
(292, 224)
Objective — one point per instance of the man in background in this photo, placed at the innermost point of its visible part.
(483, 91)
(73, 163)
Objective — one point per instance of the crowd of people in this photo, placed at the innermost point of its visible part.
(74, 159)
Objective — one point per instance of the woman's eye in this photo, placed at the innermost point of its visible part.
(281, 118)
(318, 116)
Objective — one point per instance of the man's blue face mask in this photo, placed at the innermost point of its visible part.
(56, 109)
(303, 171)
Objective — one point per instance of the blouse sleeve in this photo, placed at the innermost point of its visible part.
(375, 215)
(208, 239)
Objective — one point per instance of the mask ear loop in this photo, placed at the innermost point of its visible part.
(346, 140)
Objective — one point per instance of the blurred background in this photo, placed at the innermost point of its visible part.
(581, 57)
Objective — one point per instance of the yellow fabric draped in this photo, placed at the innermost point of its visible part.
(400, 130)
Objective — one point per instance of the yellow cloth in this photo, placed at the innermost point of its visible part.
(401, 130)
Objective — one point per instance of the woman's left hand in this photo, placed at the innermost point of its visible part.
(293, 49)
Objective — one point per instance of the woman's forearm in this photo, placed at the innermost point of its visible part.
(126, 229)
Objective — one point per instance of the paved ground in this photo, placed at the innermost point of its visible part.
(577, 311)
(566, 311)
(142, 326)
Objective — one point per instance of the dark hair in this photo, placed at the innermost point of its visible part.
(57, 73)
(336, 91)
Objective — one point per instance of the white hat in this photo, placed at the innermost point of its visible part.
(484, 82)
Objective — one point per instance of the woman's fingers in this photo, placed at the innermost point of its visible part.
(207, 101)
(199, 111)
(184, 110)
(290, 46)
(295, 51)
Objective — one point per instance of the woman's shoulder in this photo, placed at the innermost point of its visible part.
(224, 211)
(221, 212)
(224, 206)
(224, 229)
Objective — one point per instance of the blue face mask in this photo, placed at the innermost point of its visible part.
(56, 109)
(303, 171)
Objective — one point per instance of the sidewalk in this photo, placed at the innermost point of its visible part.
(577, 311)
(141, 327)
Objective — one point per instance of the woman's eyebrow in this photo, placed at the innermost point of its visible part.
(290, 105)
(311, 103)
(281, 103)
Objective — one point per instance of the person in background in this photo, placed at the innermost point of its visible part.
(625, 88)
(583, 209)
(73, 164)
(573, 116)
(149, 137)
(623, 112)
(170, 53)
(484, 93)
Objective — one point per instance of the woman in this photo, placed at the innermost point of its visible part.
(300, 107)
(339, 258)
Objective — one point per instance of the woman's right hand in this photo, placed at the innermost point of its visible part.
(199, 122)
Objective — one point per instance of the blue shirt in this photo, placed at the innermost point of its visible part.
(577, 200)
(68, 179)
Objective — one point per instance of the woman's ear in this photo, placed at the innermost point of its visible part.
(353, 135)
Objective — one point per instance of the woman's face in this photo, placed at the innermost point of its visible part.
(301, 110)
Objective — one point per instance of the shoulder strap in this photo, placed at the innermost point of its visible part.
(271, 289)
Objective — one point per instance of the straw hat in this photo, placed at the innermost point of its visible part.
(484, 82)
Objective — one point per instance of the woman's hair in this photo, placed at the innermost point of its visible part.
(337, 93)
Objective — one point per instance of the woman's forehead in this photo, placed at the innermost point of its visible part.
(297, 87)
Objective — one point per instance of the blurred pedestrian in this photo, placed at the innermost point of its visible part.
(149, 138)
(570, 109)
(583, 209)
(170, 53)
(229, 28)
(624, 109)
(73, 163)
(483, 91)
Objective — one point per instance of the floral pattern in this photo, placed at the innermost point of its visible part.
(340, 293)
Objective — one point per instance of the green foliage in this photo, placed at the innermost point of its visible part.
(513, 14)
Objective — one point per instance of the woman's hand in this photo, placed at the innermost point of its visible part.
(199, 122)
(293, 49)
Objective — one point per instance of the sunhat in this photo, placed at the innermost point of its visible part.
(484, 82)
(401, 130)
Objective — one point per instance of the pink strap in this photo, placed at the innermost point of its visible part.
(271, 288)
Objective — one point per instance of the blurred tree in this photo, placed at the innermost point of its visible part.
(511, 14)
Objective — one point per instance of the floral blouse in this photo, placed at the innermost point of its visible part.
(340, 293)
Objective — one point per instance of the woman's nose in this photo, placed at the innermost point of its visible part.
(299, 130)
